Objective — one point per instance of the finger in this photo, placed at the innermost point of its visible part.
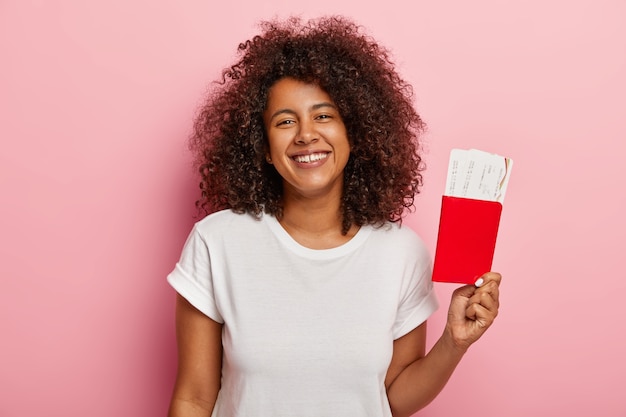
(491, 289)
(481, 317)
(488, 277)
(465, 291)
(490, 282)
(484, 299)
(482, 313)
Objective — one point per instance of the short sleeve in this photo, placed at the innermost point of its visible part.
(418, 299)
(192, 277)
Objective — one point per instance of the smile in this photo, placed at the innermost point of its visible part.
(314, 157)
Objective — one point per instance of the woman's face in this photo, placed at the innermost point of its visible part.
(308, 142)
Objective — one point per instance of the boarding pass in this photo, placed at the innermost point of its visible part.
(477, 174)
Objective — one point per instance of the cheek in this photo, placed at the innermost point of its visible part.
(276, 141)
(277, 150)
(342, 142)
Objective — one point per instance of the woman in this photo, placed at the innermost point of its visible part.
(301, 294)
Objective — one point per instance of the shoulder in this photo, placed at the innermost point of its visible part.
(399, 244)
(224, 222)
(400, 238)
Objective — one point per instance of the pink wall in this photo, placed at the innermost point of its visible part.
(96, 100)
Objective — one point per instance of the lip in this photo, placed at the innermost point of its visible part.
(308, 152)
(313, 164)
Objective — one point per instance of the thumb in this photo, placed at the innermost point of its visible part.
(464, 292)
(460, 300)
(467, 291)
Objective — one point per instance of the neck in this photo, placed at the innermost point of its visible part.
(315, 223)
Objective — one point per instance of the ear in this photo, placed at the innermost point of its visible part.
(268, 158)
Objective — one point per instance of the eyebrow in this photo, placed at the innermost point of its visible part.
(313, 107)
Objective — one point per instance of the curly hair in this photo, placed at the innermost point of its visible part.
(229, 140)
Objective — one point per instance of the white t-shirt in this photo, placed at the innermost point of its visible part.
(306, 332)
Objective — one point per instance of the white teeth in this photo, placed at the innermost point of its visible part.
(310, 158)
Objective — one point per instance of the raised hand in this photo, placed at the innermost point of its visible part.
(473, 308)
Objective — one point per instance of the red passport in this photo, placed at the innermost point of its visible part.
(466, 240)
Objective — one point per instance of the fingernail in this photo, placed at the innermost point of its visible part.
(479, 282)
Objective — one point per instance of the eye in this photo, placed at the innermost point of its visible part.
(285, 122)
(323, 117)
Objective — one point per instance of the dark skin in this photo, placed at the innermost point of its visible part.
(309, 148)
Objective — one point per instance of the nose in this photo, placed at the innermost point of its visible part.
(307, 133)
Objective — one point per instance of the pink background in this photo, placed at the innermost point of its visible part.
(96, 101)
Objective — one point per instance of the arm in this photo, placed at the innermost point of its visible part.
(415, 379)
(199, 342)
